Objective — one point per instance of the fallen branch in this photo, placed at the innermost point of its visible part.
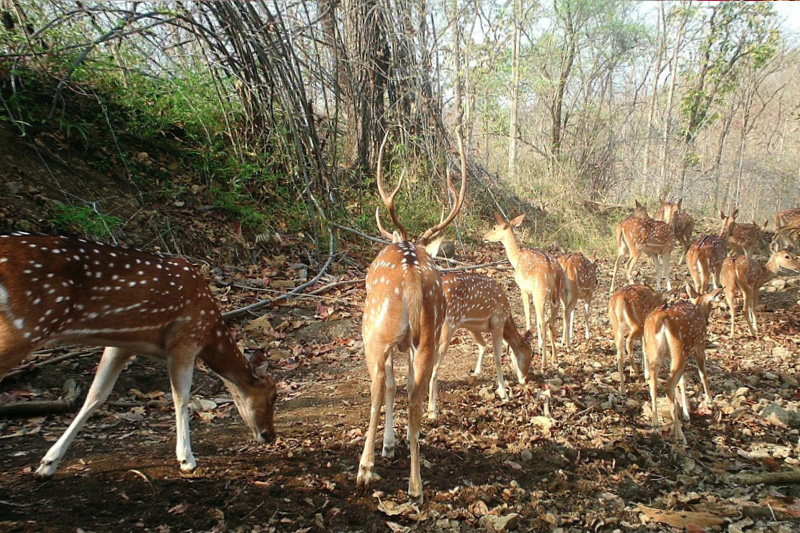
(32, 366)
(41, 408)
(291, 294)
(769, 478)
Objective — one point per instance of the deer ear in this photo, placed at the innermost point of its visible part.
(517, 221)
(433, 247)
(259, 364)
(499, 219)
(637, 204)
(593, 257)
(722, 215)
(678, 205)
(735, 212)
(774, 247)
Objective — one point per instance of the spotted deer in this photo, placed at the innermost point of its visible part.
(706, 255)
(405, 311)
(56, 289)
(627, 310)
(677, 331)
(682, 222)
(745, 237)
(538, 275)
(580, 281)
(479, 305)
(747, 276)
(640, 234)
(787, 217)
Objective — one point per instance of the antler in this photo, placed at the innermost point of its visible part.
(432, 232)
(389, 202)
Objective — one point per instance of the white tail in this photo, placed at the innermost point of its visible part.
(404, 310)
(627, 310)
(677, 330)
(682, 223)
(580, 276)
(538, 275)
(479, 305)
(705, 257)
(641, 234)
(748, 275)
(132, 302)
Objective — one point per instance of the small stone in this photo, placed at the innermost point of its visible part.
(770, 376)
(742, 392)
(500, 524)
(779, 416)
(789, 379)
(526, 455)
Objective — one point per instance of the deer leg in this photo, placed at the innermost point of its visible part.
(700, 357)
(422, 365)
(729, 299)
(619, 339)
(389, 439)
(376, 357)
(749, 312)
(684, 401)
(631, 263)
(673, 408)
(586, 304)
(181, 367)
(109, 369)
(526, 306)
(479, 340)
(551, 330)
(433, 395)
(497, 341)
(665, 263)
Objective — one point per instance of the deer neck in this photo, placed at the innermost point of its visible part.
(770, 271)
(512, 248)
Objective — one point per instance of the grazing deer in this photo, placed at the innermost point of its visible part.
(748, 276)
(677, 330)
(745, 237)
(641, 234)
(627, 309)
(538, 275)
(404, 310)
(706, 255)
(580, 276)
(479, 305)
(55, 289)
(682, 222)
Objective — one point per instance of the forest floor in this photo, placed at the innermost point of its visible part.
(592, 465)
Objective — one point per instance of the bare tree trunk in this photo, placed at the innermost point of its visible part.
(513, 132)
(662, 47)
(670, 97)
(566, 69)
(726, 126)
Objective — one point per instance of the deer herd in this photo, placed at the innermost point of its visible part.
(58, 289)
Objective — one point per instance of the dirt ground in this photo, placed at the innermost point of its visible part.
(593, 465)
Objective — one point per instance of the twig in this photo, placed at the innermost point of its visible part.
(32, 366)
(291, 294)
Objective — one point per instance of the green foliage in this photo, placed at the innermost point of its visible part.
(85, 220)
(738, 36)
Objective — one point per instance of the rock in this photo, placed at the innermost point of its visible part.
(777, 415)
(554, 382)
(487, 394)
(780, 351)
(526, 455)
(770, 376)
(742, 392)
(778, 283)
(500, 524)
(447, 249)
(788, 379)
